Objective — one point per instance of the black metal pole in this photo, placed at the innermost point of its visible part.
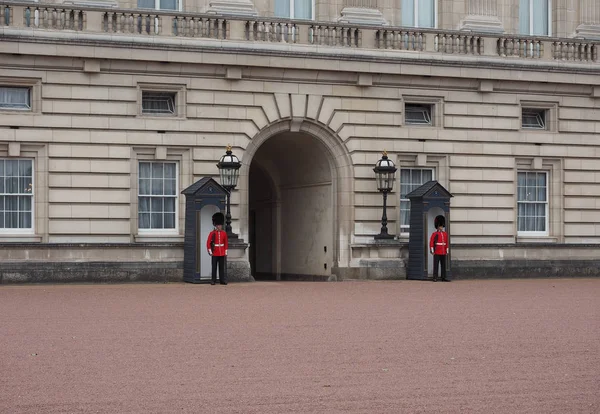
(384, 230)
(228, 215)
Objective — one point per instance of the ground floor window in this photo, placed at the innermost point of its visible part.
(532, 203)
(410, 180)
(157, 195)
(16, 194)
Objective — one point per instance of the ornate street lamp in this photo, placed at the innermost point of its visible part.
(229, 170)
(385, 171)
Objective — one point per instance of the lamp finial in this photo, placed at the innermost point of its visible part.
(228, 148)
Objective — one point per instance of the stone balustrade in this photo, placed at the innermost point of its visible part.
(244, 29)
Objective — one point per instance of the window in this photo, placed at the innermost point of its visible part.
(15, 98)
(160, 4)
(419, 13)
(410, 180)
(535, 17)
(533, 118)
(418, 114)
(532, 202)
(157, 196)
(295, 9)
(16, 194)
(158, 103)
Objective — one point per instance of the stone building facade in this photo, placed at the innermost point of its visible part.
(109, 110)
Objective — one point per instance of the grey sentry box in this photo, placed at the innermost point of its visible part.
(426, 202)
(202, 199)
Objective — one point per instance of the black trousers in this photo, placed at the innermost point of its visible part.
(220, 260)
(438, 258)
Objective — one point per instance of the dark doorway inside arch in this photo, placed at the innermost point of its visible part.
(291, 209)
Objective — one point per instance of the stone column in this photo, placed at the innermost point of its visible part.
(361, 12)
(589, 19)
(482, 16)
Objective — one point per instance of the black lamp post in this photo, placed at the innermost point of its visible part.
(385, 171)
(229, 169)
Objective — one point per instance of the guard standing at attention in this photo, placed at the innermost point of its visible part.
(438, 246)
(217, 245)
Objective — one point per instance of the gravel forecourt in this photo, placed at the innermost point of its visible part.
(483, 346)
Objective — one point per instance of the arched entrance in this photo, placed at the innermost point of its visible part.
(291, 208)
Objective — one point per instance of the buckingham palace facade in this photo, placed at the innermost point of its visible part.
(109, 109)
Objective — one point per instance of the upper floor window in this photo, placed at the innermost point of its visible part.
(535, 18)
(159, 103)
(410, 180)
(419, 13)
(295, 9)
(534, 118)
(418, 114)
(532, 203)
(15, 98)
(16, 194)
(160, 4)
(157, 195)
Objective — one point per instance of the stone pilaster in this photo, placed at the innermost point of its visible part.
(233, 7)
(482, 16)
(361, 12)
(589, 18)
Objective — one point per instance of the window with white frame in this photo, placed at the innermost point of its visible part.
(410, 180)
(532, 203)
(157, 195)
(295, 9)
(535, 17)
(160, 4)
(419, 13)
(16, 195)
(159, 103)
(15, 98)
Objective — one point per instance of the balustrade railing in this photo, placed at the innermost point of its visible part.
(458, 43)
(5, 15)
(271, 31)
(520, 47)
(131, 22)
(578, 51)
(54, 18)
(193, 26)
(334, 35)
(399, 39)
(42, 16)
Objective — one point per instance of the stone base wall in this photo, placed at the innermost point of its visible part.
(526, 260)
(522, 269)
(90, 272)
(113, 263)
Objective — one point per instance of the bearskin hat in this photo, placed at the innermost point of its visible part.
(218, 218)
(439, 221)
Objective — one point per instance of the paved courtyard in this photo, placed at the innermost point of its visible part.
(495, 346)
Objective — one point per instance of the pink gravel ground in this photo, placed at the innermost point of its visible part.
(496, 346)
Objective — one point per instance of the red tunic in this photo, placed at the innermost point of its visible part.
(439, 244)
(220, 243)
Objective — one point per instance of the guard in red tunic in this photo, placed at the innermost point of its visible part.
(438, 246)
(217, 245)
